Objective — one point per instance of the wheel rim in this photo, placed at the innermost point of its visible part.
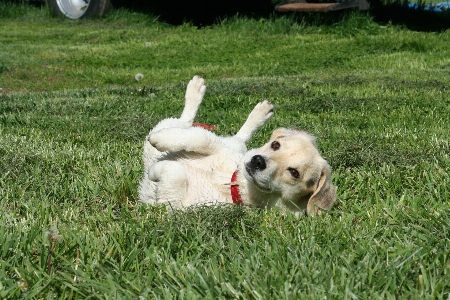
(73, 9)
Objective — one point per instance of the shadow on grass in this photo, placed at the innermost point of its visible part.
(397, 12)
(206, 12)
(198, 12)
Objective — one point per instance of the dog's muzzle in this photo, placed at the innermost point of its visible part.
(257, 163)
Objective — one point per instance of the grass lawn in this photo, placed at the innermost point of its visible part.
(73, 120)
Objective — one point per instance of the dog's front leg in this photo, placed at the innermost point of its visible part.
(192, 139)
(259, 116)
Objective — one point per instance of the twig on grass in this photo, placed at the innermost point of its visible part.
(54, 237)
(76, 264)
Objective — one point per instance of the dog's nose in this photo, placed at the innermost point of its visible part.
(258, 162)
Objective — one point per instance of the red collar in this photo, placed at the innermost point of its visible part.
(235, 195)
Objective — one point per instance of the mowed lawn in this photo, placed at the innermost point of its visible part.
(73, 120)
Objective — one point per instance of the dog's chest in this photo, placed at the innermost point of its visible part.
(209, 177)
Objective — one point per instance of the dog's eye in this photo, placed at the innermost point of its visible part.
(275, 145)
(294, 172)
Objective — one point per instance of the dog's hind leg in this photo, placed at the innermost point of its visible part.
(192, 139)
(194, 95)
(147, 190)
(171, 182)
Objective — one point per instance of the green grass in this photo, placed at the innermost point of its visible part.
(72, 123)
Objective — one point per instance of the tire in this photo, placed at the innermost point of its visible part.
(79, 9)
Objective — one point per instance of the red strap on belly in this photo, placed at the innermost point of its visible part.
(235, 195)
(207, 127)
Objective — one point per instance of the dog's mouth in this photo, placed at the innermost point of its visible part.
(249, 174)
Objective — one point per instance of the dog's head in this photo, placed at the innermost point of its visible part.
(290, 165)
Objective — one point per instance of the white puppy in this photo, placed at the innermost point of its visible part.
(186, 165)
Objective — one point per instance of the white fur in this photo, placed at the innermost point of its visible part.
(185, 165)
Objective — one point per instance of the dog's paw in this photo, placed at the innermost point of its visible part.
(262, 112)
(159, 141)
(195, 91)
(259, 116)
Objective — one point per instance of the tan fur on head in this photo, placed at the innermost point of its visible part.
(295, 170)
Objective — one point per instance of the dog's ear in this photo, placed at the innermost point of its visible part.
(324, 196)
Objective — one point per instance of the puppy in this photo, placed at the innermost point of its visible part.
(186, 165)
